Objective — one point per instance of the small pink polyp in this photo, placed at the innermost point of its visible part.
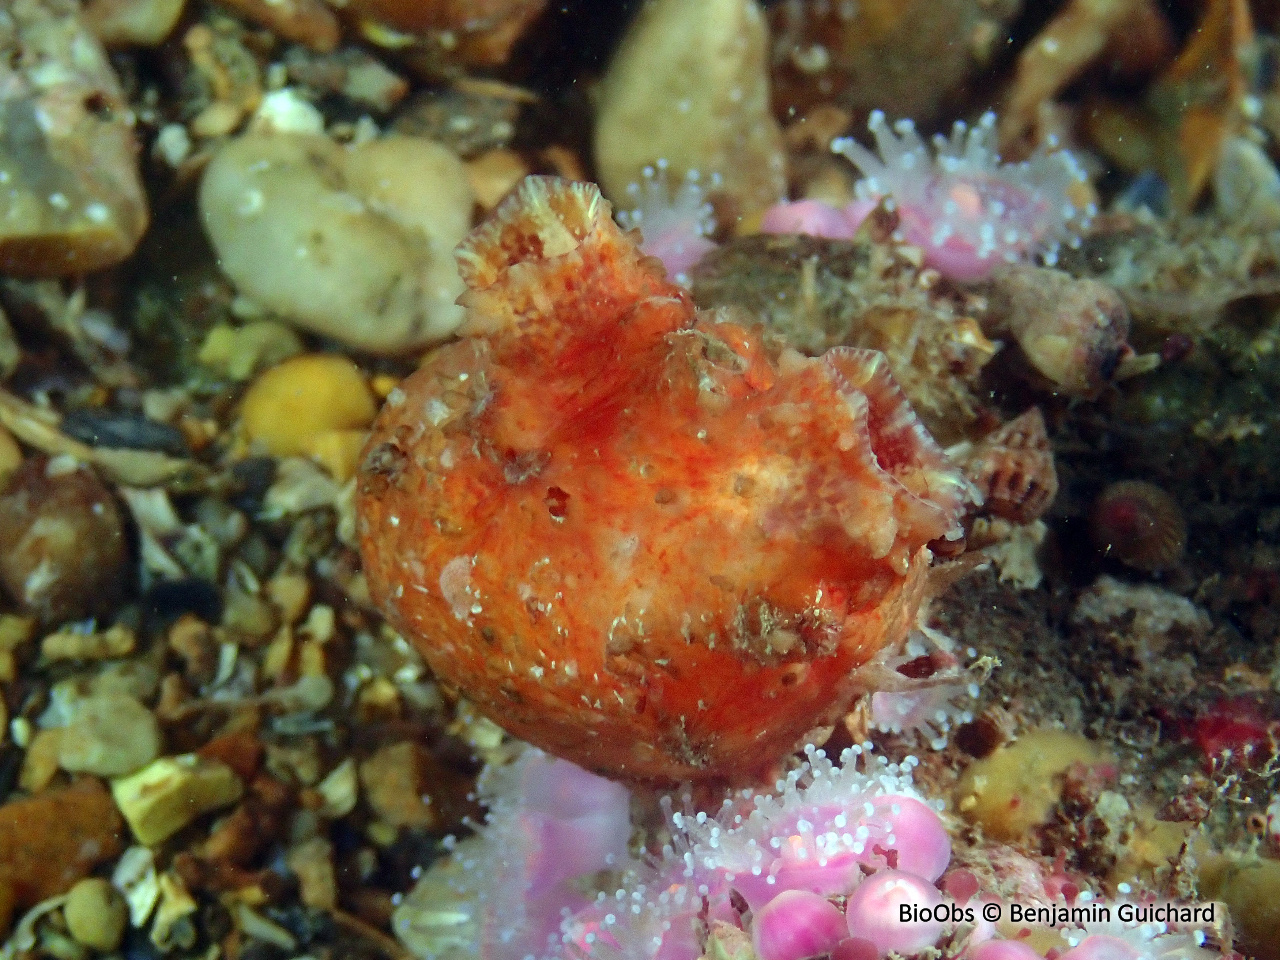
(1101, 947)
(968, 242)
(797, 924)
(837, 875)
(957, 202)
(855, 948)
(679, 251)
(1003, 950)
(920, 840)
(874, 912)
(810, 217)
(673, 217)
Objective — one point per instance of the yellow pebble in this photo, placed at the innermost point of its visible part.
(96, 914)
(338, 451)
(383, 384)
(1014, 790)
(10, 456)
(288, 406)
(494, 174)
(240, 352)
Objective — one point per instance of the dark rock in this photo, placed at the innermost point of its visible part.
(129, 430)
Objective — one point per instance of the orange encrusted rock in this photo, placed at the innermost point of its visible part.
(632, 532)
(50, 840)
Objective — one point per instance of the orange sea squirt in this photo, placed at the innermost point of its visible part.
(634, 533)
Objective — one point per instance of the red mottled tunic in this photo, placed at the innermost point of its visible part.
(635, 534)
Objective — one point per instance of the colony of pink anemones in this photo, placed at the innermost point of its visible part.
(514, 889)
(966, 211)
(820, 865)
